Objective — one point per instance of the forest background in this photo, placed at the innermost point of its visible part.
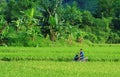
(59, 22)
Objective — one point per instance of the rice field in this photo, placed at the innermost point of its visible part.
(59, 69)
(97, 53)
(104, 61)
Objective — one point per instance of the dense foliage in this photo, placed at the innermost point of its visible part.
(47, 22)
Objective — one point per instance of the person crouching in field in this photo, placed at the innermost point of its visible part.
(80, 57)
(76, 57)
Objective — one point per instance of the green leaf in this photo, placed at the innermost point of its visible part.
(56, 19)
(52, 21)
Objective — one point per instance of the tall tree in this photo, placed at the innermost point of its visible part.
(105, 8)
(15, 8)
(49, 9)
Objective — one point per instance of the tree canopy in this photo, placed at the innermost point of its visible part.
(43, 22)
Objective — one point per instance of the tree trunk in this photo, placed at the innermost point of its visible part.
(53, 35)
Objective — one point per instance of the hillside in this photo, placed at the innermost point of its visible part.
(58, 22)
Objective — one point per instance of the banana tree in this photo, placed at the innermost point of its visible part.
(3, 30)
(49, 9)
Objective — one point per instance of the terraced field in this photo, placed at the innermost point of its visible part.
(58, 62)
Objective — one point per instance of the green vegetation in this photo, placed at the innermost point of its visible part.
(59, 69)
(39, 38)
(95, 53)
(104, 61)
(43, 22)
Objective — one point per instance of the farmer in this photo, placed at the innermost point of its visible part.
(76, 57)
(81, 54)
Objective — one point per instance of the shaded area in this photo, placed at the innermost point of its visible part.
(56, 59)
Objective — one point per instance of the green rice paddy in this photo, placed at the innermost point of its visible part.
(104, 61)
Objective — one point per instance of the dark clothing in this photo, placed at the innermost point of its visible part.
(76, 57)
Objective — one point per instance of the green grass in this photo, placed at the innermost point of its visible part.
(59, 69)
(104, 61)
(95, 53)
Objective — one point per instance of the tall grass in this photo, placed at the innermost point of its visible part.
(58, 62)
(59, 69)
(94, 53)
